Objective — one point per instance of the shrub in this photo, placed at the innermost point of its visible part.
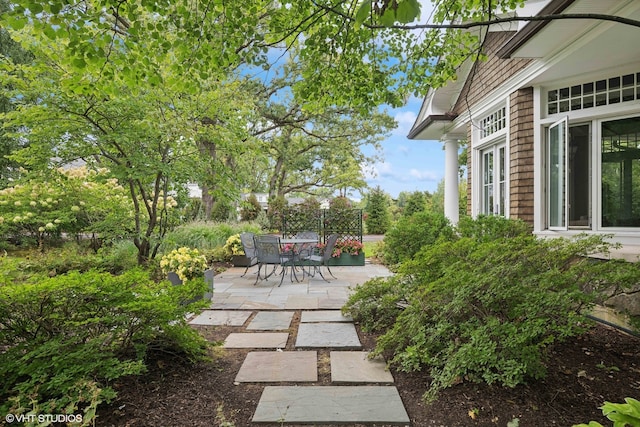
(491, 227)
(67, 338)
(485, 311)
(204, 235)
(410, 234)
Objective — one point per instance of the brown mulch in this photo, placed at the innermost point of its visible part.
(603, 364)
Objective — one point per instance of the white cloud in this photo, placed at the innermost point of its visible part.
(377, 170)
(423, 175)
(405, 120)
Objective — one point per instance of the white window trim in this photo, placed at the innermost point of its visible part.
(596, 116)
(495, 139)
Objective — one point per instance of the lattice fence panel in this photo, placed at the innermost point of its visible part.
(347, 223)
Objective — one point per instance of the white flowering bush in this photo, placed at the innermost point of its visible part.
(71, 201)
(187, 263)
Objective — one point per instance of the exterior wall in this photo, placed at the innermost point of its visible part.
(469, 167)
(521, 164)
(488, 75)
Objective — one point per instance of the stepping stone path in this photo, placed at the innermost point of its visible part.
(370, 397)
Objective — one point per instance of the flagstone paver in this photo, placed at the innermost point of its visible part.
(271, 321)
(331, 404)
(357, 367)
(271, 366)
(221, 317)
(321, 326)
(324, 316)
(257, 340)
(329, 335)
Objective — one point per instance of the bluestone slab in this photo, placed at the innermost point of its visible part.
(219, 318)
(271, 321)
(331, 335)
(257, 340)
(271, 366)
(324, 316)
(331, 404)
(357, 367)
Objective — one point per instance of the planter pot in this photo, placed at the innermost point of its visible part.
(240, 261)
(208, 278)
(347, 259)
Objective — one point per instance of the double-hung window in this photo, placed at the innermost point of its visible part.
(494, 185)
(492, 196)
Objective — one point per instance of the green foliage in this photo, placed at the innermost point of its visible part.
(378, 302)
(416, 202)
(67, 338)
(377, 210)
(277, 207)
(204, 235)
(250, 208)
(71, 201)
(221, 211)
(484, 310)
(409, 234)
(71, 256)
(622, 414)
(491, 227)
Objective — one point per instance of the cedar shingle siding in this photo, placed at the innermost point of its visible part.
(485, 77)
(488, 75)
(521, 155)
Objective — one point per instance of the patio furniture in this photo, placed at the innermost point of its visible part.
(249, 248)
(318, 260)
(269, 252)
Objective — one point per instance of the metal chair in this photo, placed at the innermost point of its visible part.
(249, 248)
(269, 252)
(304, 250)
(321, 260)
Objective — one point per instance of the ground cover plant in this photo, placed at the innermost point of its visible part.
(66, 339)
(485, 308)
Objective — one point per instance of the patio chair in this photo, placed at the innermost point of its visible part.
(304, 250)
(249, 248)
(269, 252)
(321, 260)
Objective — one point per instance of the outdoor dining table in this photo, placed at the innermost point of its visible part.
(296, 242)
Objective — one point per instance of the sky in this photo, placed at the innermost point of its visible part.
(407, 165)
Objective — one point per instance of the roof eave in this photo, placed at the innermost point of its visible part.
(532, 28)
(430, 120)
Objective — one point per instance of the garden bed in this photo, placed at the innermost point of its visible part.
(603, 364)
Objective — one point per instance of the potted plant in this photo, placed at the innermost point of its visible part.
(233, 247)
(187, 264)
(347, 252)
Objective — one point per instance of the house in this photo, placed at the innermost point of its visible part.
(552, 122)
(552, 119)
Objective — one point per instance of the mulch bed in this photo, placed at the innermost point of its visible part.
(603, 364)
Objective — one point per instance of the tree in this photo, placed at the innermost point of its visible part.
(13, 51)
(150, 137)
(377, 212)
(312, 150)
(363, 53)
(416, 202)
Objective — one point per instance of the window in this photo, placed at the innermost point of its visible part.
(494, 184)
(620, 172)
(594, 94)
(568, 176)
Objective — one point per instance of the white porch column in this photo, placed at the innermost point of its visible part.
(451, 187)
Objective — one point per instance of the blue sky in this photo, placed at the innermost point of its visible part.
(407, 165)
